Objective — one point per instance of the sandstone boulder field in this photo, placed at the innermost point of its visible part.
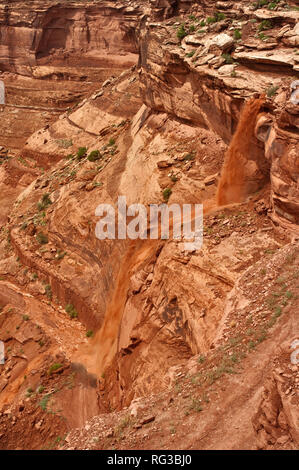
(141, 344)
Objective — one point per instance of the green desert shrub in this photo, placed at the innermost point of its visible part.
(44, 203)
(94, 155)
(81, 152)
(181, 32)
(70, 309)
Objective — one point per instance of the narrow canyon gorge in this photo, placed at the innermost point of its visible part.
(141, 343)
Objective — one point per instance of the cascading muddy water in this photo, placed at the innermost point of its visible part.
(232, 185)
(101, 350)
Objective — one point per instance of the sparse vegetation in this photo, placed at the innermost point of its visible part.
(201, 359)
(44, 402)
(271, 91)
(82, 151)
(70, 309)
(54, 367)
(48, 291)
(111, 142)
(228, 58)
(264, 25)
(189, 157)
(218, 16)
(122, 425)
(60, 254)
(263, 37)
(64, 143)
(181, 32)
(237, 34)
(196, 405)
(94, 156)
(44, 203)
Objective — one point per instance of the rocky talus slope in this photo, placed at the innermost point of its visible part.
(142, 344)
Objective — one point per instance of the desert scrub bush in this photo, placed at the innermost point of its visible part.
(122, 425)
(264, 25)
(89, 333)
(111, 142)
(44, 203)
(64, 143)
(44, 402)
(94, 155)
(237, 34)
(81, 152)
(190, 54)
(228, 58)
(270, 92)
(211, 20)
(218, 16)
(189, 157)
(42, 238)
(25, 317)
(259, 4)
(60, 254)
(97, 184)
(48, 291)
(23, 161)
(70, 309)
(196, 405)
(54, 367)
(166, 194)
(181, 32)
(201, 359)
(263, 37)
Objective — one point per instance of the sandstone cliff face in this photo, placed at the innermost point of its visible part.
(155, 312)
(32, 34)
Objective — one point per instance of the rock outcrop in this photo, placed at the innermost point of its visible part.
(122, 320)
